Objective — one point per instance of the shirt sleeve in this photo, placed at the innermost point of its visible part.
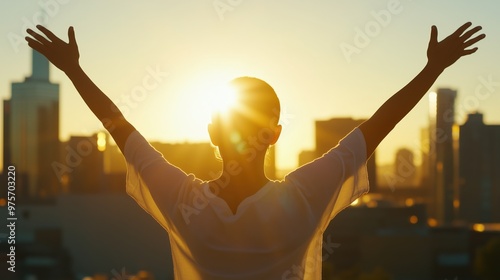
(151, 180)
(333, 181)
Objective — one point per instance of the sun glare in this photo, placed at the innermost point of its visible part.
(210, 92)
(222, 98)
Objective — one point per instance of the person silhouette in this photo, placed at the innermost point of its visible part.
(242, 225)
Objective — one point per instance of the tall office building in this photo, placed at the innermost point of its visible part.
(330, 132)
(442, 155)
(31, 132)
(479, 171)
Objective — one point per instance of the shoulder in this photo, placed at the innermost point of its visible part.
(354, 139)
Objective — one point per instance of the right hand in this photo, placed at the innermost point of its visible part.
(63, 55)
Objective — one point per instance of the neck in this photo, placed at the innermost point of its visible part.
(242, 176)
(240, 179)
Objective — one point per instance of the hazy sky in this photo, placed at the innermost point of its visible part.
(296, 46)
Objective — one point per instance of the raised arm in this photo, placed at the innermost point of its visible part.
(65, 56)
(440, 55)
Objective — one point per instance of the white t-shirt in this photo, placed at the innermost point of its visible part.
(277, 233)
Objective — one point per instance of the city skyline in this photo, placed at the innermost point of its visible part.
(432, 214)
(37, 87)
(305, 56)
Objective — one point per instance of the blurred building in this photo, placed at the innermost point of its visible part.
(200, 159)
(196, 158)
(93, 165)
(425, 172)
(330, 132)
(479, 171)
(31, 132)
(114, 167)
(83, 160)
(404, 167)
(80, 236)
(401, 174)
(114, 162)
(400, 242)
(457, 251)
(442, 155)
(6, 134)
(41, 255)
(395, 240)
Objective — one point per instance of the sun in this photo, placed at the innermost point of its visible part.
(222, 98)
(210, 93)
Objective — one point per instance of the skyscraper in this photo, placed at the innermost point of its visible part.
(479, 171)
(442, 155)
(31, 131)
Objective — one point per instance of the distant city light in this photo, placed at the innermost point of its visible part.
(413, 219)
(101, 141)
(432, 222)
(439, 166)
(372, 204)
(409, 202)
(478, 227)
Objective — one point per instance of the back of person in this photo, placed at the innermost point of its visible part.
(275, 233)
